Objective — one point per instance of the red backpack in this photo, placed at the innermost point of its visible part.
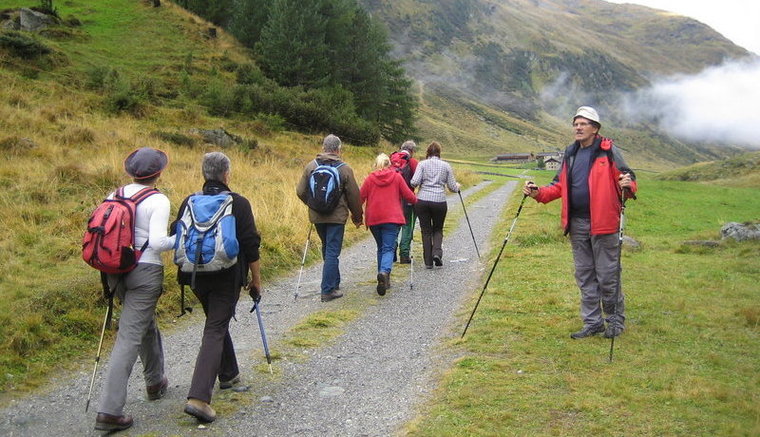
(109, 242)
(400, 162)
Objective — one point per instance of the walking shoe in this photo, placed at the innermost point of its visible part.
(437, 261)
(331, 295)
(200, 410)
(383, 281)
(405, 259)
(613, 330)
(157, 391)
(108, 422)
(224, 385)
(588, 331)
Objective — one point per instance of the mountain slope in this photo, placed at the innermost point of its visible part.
(535, 60)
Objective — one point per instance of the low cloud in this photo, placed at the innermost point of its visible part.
(720, 104)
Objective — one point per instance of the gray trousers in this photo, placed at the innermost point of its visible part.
(596, 273)
(138, 335)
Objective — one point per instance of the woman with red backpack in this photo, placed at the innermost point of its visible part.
(383, 192)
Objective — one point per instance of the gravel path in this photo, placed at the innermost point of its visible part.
(367, 382)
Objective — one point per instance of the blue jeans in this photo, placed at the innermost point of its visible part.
(331, 235)
(385, 237)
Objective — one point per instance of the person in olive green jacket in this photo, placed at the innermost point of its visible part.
(331, 226)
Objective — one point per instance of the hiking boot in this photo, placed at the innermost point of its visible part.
(224, 385)
(405, 259)
(108, 422)
(613, 330)
(588, 331)
(157, 391)
(383, 283)
(331, 295)
(437, 261)
(200, 410)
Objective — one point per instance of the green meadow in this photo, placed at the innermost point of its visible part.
(687, 364)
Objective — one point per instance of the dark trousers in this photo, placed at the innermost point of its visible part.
(216, 356)
(432, 216)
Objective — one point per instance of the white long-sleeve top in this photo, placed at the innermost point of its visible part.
(433, 176)
(151, 224)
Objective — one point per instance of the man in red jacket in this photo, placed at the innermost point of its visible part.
(590, 181)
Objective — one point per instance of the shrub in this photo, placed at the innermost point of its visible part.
(23, 46)
(95, 77)
(174, 137)
(249, 74)
(218, 98)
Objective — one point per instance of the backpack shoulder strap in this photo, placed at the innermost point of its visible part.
(143, 194)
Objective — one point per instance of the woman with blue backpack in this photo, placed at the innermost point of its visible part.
(383, 192)
(216, 271)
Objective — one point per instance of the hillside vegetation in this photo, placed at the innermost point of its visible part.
(742, 171)
(129, 75)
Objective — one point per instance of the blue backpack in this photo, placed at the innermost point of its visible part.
(206, 236)
(324, 190)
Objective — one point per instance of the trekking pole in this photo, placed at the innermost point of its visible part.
(100, 348)
(411, 263)
(506, 240)
(619, 268)
(303, 261)
(182, 306)
(263, 334)
(468, 224)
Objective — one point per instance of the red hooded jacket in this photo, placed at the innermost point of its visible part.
(382, 191)
(604, 192)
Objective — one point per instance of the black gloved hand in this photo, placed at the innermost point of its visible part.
(254, 292)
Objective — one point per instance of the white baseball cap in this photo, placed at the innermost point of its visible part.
(588, 113)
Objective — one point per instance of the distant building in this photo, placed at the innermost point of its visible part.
(551, 164)
(514, 158)
(544, 155)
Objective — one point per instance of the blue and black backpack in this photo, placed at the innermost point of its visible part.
(206, 235)
(324, 190)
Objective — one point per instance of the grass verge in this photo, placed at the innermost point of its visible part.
(687, 364)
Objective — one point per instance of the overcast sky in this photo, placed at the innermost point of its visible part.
(737, 20)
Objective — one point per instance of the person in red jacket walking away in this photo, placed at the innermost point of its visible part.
(590, 181)
(383, 192)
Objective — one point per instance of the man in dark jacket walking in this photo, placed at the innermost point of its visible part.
(219, 291)
(590, 181)
(331, 226)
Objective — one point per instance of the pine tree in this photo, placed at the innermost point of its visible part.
(247, 19)
(291, 48)
(397, 114)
